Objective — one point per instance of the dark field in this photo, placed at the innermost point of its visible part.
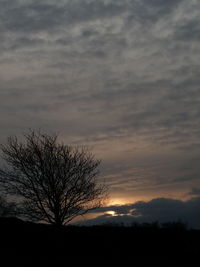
(29, 244)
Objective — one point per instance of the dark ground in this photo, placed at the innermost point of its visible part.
(29, 244)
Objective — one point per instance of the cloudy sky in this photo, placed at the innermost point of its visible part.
(121, 76)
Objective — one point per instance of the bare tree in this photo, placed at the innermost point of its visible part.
(55, 182)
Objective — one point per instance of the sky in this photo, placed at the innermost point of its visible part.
(120, 76)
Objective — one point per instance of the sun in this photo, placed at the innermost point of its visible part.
(111, 212)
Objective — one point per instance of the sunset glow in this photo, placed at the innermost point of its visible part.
(117, 202)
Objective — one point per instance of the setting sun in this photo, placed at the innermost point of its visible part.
(111, 212)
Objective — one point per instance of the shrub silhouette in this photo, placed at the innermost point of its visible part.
(7, 209)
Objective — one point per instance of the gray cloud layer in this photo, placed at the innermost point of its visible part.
(122, 76)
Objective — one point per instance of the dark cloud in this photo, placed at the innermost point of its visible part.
(150, 11)
(32, 17)
(161, 210)
(189, 31)
(42, 16)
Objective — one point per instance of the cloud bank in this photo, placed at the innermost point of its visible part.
(157, 210)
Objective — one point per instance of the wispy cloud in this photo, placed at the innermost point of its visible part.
(122, 76)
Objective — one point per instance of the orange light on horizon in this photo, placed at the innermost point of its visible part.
(122, 201)
(116, 202)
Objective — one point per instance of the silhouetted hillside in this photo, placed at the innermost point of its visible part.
(28, 244)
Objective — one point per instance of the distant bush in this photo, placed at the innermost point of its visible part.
(179, 225)
(7, 209)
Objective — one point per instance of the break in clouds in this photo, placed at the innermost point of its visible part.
(121, 76)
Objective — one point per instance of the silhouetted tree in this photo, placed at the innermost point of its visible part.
(55, 182)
